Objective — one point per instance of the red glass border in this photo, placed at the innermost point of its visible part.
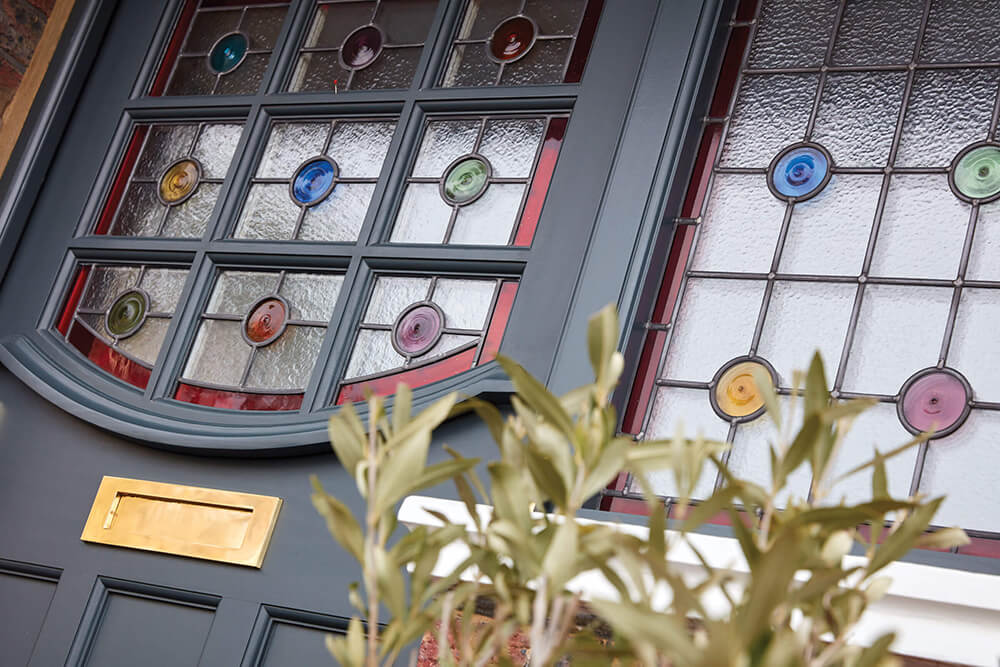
(236, 400)
(101, 354)
(584, 39)
(173, 48)
(122, 179)
(554, 135)
(498, 323)
(75, 294)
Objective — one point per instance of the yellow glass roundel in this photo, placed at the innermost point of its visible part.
(736, 392)
(179, 181)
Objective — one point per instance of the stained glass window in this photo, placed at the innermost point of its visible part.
(518, 42)
(363, 45)
(842, 199)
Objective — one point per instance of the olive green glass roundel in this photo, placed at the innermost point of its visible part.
(977, 174)
(466, 180)
(127, 313)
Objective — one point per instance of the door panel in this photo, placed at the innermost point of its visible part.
(25, 595)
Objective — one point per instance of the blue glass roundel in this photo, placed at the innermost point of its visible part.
(800, 172)
(228, 52)
(314, 181)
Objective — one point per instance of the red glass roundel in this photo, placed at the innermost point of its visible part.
(361, 47)
(937, 400)
(417, 329)
(266, 321)
(512, 38)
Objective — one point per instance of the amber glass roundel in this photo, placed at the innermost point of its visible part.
(127, 314)
(417, 329)
(266, 321)
(361, 47)
(934, 400)
(466, 180)
(179, 181)
(228, 52)
(976, 173)
(736, 392)
(512, 39)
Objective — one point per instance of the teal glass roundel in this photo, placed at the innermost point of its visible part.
(799, 172)
(977, 173)
(466, 180)
(228, 52)
(313, 181)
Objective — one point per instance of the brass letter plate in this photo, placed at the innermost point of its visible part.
(218, 525)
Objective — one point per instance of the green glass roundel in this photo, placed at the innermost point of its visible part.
(127, 313)
(977, 174)
(466, 180)
(228, 52)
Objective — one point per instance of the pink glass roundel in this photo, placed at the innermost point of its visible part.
(361, 47)
(418, 329)
(935, 401)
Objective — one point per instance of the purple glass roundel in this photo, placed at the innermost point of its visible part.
(361, 47)
(417, 329)
(936, 401)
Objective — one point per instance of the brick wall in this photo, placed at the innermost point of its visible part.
(21, 25)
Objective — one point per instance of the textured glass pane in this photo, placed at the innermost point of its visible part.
(338, 217)
(963, 467)
(392, 295)
(482, 16)
(876, 427)
(311, 296)
(446, 344)
(741, 225)
(236, 291)
(689, 410)
(948, 109)
(491, 218)
(771, 112)
(360, 148)
(466, 303)
(262, 25)
(544, 63)
(219, 355)
(215, 148)
(106, 283)
(443, 141)
(164, 288)
(289, 146)
(878, 31)
(269, 213)
(983, 264)
(857, 116)
(394, 68)
(188, 220)
(139, 213)
(829, 233)
(96, 323)
(899, 331)
(333, 23)
(145, 343)
(793, 33)
(207, 27)
(246, 78)
(373, 353)
(923, 229)
(164, 144)
(469, 66)
(974, 350)
(288, 362)
(318, 72)
(191, 76)
(750, 458)
(510, 146)
(556, 17)
(405, 21)
(423, 215)
(721, 311)
(962, 31)
(801, 318)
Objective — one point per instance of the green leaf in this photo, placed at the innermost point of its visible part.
(817, 395)
(905, 536)
(765, 385)
(801, 448)
(347, 442)
(391, 586)
(546, 477)
(880, 486)
(539, 399)
(401, 405)
(945, 538)
(561, 552)
(437, 473)
(403, 465)
(339, 521)
(487, 412)
(609, 463)
(639, 624)
(877, 652)
(602, 344)
(888, 455)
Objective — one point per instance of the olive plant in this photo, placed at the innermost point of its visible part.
(796, 603)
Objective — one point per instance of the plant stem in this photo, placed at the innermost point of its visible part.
(371, 539)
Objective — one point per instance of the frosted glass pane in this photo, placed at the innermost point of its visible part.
(392, 295)
(715, 324)
(288, 362)
(236, 291)
(333, 23)
(164, 288)
(983, 264)
(208, 26)
(510, 146)
(948, 109)
(446, 344)
(373, 353)
(423, 215)
(219, 355)
(318, 72)
(857, 116)
(899, 331)
(469, 66)
(444, 140)
(406, 21)
(262, 25)
(189, 220)
(191, 77)
(145, 343)
(139, 213)
(964, 467)
(690, 410)
(974, 350)
(360, 148)
(741, 225)
(269, 213)
(311, 296)
(394, 68)
(215, 148)
(96, 323)
(556, 17)
(491, 218)
(801, 318)
(340, 216)
(793, 33)
(750, 457)
(829, 233)
(165, 144)
(957, 31)
(771, 112)
(289, 146)
(246, 78)
(878, 31)
(876, 427)
(544, 63)
(482, 16)
(106, 283)
(923, 229)
(466, 303)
